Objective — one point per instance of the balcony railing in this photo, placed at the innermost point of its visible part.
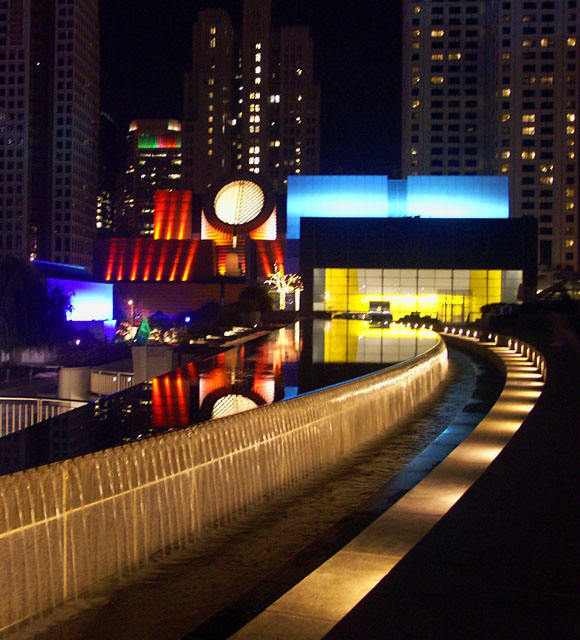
(20, 413)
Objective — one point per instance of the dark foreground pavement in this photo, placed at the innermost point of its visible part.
(505, 561)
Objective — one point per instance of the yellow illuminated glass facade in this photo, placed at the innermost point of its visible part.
(450, 295)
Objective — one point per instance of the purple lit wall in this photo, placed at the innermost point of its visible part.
(90, 300)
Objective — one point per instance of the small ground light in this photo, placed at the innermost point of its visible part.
(187, 319)
(77, 342)
(489, 336)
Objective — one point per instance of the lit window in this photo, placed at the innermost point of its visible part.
(547, 79)
(258, 57)
(570, 193)
(528, 155)
(212, 43)
(528, 131)
(298, 72)
(257, 80)
(506, 55)
(436, 56)
(258, 45)
(437, 79)
(570, 130)
(571, 117)
(415, 80)
(571, 42)
(570, 143)
(546, 168)
(569, 206)
(506, 92)
(212, 31)
(416, 9)
(414, 151)
(415, 103)
(547, 179)
(571, 155)
(258, 69)
(505, 168)
(437, 33)
(546, 43)
(528, 43)
(210, 152)
(454, 56)
(569, 244)
(505, 117)
(416, 33)
(416, 45)
(530, 117)
(505, 154)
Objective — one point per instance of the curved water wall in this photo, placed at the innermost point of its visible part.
(67, 526)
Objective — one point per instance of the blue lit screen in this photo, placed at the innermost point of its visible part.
(335, 197)
(458, 196)
(90, 300)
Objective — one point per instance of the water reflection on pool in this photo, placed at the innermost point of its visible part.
(281, 365)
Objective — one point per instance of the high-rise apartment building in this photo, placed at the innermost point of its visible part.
(250, 102)
(293, 109)
(208, 90)
(492, 87)
(153, 164)
(49, 119)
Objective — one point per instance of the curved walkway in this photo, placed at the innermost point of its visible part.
(322, 601)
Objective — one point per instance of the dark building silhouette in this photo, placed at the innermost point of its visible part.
(49, 119)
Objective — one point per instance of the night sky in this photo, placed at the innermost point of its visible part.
(146, 48)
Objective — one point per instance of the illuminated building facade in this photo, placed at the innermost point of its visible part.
(250, 106)
(172, 270)
(442, 246)
(49, 118)
(207, 125)
(492, 87)
(154, 163)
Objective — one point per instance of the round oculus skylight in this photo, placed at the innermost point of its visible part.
(239, 202)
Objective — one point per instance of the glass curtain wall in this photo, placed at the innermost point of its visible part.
(450, 295)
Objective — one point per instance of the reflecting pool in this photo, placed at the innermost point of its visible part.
(287, 362)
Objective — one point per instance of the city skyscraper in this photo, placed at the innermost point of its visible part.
(49, 120)
(250, 100)
(492, 88)
(208, 91)
(154, 163)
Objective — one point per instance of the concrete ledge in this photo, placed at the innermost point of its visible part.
(310, 609)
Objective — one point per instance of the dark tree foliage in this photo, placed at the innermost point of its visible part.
(255, 297)
(31, 312)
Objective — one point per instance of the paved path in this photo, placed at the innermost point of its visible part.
(505, 561)
(502, 563)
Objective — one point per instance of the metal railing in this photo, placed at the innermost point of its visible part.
(20, 413)
(104, 383)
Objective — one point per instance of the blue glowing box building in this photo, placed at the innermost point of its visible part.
(442, 246)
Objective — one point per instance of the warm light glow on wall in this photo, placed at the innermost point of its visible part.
(146, 259)
(172, 219)
(267, 231)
